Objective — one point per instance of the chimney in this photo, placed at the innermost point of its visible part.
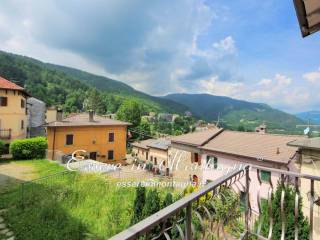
(91, 115)
(59, 115)
(278, 150)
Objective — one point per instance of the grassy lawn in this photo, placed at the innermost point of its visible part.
(67, 206)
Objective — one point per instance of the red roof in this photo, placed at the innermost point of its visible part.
(6, 84)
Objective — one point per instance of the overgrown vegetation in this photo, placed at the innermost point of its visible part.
(289, 213)
(29, 148)
(68, 206)
(2, 147)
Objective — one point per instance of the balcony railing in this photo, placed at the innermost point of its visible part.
(180, 216)
(5, 134)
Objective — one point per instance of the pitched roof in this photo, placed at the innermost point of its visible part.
(6, 84)
(82, 119)
(269, 147)
(143, 144)
(161, 143)
(197, 138)
(308, 143)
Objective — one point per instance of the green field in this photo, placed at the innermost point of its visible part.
(67, 206)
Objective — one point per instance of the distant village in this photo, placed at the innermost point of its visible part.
(201, 156)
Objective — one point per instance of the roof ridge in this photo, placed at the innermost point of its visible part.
(270, 134)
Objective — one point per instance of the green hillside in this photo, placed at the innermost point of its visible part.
(236, 113)
(68, 87)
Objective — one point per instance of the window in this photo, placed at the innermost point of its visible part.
(111, 137)
(69, 139)
(23, 103)
(22, 124)
(3, 101)
(212, 161)
(265, 176)
(110, 155)
(243, 201)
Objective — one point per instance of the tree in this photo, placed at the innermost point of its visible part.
(168, 200)
(241, 128)
(152, 203)
(93, 101)
(227, 209)
(130, 111)
(289, 206)
(139, 204)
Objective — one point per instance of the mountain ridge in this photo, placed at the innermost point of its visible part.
(237, 113)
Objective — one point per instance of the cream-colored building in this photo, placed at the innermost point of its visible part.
(310, 164)
(51, 114)
(155, 151)
(13, 111)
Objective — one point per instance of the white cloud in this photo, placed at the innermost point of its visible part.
(226, 45)
(282, 92)
(312, 77)
(216, 87)
(265, 82)
(282, 79)
(123, 39)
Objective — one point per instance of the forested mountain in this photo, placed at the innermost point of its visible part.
(312, 116)
(237, 113)
(69, 87)
(75, 90)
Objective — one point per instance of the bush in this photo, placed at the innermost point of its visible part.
(30, 148)
(2, 148)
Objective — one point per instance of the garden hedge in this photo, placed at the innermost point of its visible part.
(30, 148)
(2, 148)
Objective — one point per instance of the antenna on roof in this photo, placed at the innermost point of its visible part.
(307, 130)
(217, 122)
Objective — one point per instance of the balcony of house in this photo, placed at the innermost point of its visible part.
(5, 134)
(223, 209)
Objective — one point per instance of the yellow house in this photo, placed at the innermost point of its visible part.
(103, 139)
(13, 111)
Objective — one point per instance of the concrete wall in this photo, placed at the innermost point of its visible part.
(140, 153)
(51, 115)
(37, 117)
(91, 139)
(310, 164)
(13, 114)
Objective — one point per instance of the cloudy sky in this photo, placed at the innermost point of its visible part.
(245, 49)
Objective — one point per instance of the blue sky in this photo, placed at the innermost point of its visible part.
(245, 49)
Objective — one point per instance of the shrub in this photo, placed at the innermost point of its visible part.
(30, 148)
(2, 148)
(138, 204)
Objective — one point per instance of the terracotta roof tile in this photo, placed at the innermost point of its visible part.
(6, 84)
(82, 119)
(269, 147)
(197, 138)
(160, 143)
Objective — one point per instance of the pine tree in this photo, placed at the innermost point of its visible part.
(289, 206)
(139, 204)
(152, 203)
(168, 200)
